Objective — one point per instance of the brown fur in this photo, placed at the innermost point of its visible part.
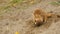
(40, 16)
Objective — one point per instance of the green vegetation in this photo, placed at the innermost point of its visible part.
(16, 1)
(12, 3)
(55, 3)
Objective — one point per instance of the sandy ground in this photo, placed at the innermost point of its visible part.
(20, 20)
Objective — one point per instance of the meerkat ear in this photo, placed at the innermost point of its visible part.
(58, 16)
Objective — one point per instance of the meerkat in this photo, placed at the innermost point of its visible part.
(40, 17)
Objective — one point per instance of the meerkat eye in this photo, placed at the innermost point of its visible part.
(35, 20)
(49, 16)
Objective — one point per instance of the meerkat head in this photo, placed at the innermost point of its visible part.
(38, 18)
